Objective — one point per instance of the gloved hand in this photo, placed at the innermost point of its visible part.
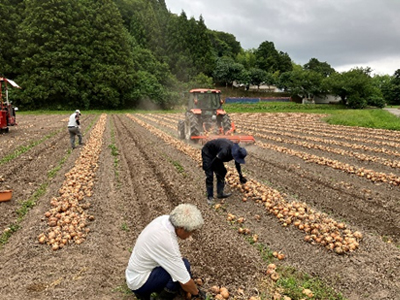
(242, 179)
(200, 296)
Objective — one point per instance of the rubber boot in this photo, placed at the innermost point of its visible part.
(220, 190)
(210, 195)
(166, 295)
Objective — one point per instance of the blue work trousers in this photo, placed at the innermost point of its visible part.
(159, 280)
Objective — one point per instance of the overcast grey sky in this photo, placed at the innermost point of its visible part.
(343, 33)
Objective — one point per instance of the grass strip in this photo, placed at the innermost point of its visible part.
(282, 107)
(7, 233)
(124, 290)
(292, 283)
(31, 202)
(53, 172)
(114, 152)
(23, 149)
(337, 114)
(178, 167)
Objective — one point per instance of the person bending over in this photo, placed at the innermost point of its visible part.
(214, 153)
(156, 264)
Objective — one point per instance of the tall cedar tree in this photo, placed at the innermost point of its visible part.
(270, 60)
(112, 65)
(200, 48)
(73, 53)
(177, 53)
(10, 17)
(146, 22)
(224, 44)
(145, 26)
(189, 48)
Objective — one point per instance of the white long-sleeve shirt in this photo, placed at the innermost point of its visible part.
(157, 245)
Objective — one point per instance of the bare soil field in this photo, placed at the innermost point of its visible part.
(134, 168)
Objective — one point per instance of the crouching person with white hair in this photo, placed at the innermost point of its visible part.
(156, 264)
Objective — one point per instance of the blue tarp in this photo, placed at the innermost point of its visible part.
(241, 100)
(256, 100)
(275, 99)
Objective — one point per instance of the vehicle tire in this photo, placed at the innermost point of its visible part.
(191, 126)
(226, 123)
(181, 129)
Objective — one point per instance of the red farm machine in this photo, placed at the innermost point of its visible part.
(205, 119)
(7, 110)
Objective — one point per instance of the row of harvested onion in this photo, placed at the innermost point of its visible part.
(302, 141)
(312, 125)
(67, 218)
(319, 228)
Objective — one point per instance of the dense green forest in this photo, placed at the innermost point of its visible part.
(119, 54)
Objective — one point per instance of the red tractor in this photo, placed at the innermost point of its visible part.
(7, 110)
(205, 119)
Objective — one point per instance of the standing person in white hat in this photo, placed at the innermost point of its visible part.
(74, 127)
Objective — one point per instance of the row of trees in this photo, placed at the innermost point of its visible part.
(356, 88)
(118, 54)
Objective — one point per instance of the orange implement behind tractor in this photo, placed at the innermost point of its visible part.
(205, 119)
(7, 110)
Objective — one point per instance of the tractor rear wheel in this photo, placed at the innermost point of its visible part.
(226, 123)
(191, 126)
(181, 129)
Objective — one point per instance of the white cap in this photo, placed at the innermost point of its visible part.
(78, 111)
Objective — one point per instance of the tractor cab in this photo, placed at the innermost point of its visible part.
(206, 104)
(205, 118)
(205, 99)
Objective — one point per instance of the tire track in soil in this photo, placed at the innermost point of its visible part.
(43, 148)
(107, 247)
(23, 174)
(132, 149)
(153, 166)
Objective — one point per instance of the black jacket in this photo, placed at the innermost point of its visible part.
(220, 149)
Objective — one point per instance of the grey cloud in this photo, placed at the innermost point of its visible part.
(340, 32)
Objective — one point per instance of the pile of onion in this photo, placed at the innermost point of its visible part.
(319, 228)
(220, 293)
(67, 218)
